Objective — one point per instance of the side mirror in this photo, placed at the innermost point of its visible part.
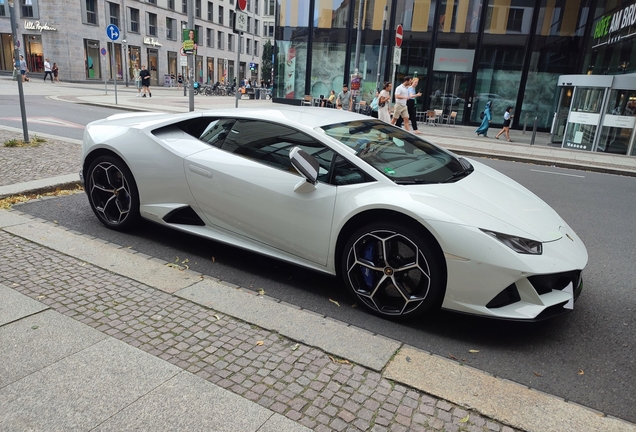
(306, 165)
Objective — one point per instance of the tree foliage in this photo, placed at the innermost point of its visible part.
(266, 63)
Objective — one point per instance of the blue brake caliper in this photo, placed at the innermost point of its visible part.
(367, 273)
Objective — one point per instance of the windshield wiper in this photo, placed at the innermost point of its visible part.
(458, 175)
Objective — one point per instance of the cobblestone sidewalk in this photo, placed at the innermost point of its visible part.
(301, 382)
(49, 159)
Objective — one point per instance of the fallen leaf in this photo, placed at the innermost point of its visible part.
(213, 259)
(259, 343)
(465, 419)
(355, 305)
(335, 302)
(295, 347)
(40, 297)
(261, 292)
(173, 265)
(538, 374)
(217, 317)
(55, 221)
(185, 261)
(176, 260)
(473, 351)
(581, 372)
(452, 357)
(341, 361)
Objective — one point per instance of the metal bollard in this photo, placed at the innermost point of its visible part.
(534, 131)
(525, 122)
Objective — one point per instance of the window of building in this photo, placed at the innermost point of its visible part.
(171, 29)
(515, 20)
(90, 12)
(209, 38)
(154, 2)
(221, 15)
(29, 9)
(230, 42)
(134, 20)
(199, 34)
(113, 9)
(152, 24)
(257, 28)
(219, 40)
(256, 52)
(256, 7)
(184, 6)
(270, 8)
(248, 46)
(232, 18)
(249, 24)
(210, 11)
(197, 8)
(91, 53)
(171, 4)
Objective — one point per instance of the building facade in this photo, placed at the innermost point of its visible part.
(72, 33)
(465, 52)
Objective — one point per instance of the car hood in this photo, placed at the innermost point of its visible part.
(489, 200)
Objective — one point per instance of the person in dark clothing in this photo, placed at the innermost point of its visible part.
(145, 81)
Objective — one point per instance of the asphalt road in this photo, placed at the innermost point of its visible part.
(50, 116)
(586, 356)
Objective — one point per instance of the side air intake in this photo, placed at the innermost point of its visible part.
(183, 216)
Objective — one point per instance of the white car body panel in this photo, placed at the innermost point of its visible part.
(258, 208)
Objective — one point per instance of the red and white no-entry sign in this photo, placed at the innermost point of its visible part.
(398, 35)
(242, 4)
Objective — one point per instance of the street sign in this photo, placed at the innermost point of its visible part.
(112, 32)
(398, 35)
(103, 51)
(240, 21)
(397, 55)
(183, 61)
(242, 4)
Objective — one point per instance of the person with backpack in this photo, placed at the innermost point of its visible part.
(486, 117)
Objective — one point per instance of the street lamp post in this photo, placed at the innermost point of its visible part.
(16, 61)
(191, 57)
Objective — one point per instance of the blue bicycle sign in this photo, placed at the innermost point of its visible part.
(112, 32)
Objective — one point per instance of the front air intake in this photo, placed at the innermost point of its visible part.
(506, 297)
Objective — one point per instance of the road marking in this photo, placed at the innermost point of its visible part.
(47, 121)
(557, 173)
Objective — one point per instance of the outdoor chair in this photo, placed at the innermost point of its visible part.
(450, 118)
(308, 100)
(431, 118)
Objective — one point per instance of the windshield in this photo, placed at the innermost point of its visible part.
(399, 155)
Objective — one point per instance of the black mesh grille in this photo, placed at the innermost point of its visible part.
(544, 284)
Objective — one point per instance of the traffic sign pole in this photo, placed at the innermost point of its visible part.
(112, 31)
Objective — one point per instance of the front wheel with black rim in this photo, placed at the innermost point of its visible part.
(394, 271)
(112, 193)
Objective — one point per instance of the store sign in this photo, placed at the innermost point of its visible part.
(583, 118)
(619, 121)
(612, 25)
(152, 41)
(453, 60)
(35, 25)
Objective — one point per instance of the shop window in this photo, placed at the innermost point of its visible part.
(152, 24)
(134, 20)
(91, 59)
(90, 11)
(33, 53)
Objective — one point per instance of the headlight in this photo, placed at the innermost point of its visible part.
(518, 244)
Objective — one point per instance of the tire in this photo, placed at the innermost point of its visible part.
(112, 193)
(394, 271)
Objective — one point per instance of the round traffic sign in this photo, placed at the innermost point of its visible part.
(398, 35)
(242, 4)
(112, 31)
(103, 51)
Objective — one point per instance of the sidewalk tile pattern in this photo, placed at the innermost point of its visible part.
(300, 382)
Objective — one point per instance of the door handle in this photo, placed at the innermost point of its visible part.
(201, 171)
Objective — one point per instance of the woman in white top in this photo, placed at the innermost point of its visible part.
(137, 77)
(384, 102)
(506, 124)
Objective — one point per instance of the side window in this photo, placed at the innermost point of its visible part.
(345, 173)
(270, 143)
(216, 131)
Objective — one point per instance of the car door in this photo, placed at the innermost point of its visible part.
(245, 184)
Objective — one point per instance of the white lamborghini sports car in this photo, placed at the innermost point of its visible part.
(407, 225)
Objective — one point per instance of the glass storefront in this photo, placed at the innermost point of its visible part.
(153, 66)
(33, 53)
(118, 65)
(198, 68)
(134, 58)
(221, 70)
(92, 63)
(6, 52)
(172, 63)
(210, 76)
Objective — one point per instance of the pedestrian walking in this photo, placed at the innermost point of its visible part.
(179, 80)
(47, 70)
(485, 121)
(506, 124)
(56, 71)
(401, 96)
(384, 101)
(145, 81)
(410, 106)
(137, 79)
(23, 69)
(344, 98)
